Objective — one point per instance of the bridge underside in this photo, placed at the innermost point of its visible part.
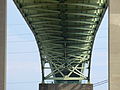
(65, 31)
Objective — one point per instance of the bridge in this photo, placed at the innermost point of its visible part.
(65, 31)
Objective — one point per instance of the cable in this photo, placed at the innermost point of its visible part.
(21, 41)
(16, 24)
(22, 52)
(100, 83)
(23, 82)
(26, 34)
(22, 34)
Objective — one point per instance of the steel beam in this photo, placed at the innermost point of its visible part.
(65, 31)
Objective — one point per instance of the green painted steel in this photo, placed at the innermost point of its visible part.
(65, 31)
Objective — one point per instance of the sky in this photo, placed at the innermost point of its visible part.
(23, 59)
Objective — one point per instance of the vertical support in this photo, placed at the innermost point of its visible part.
(42, 67)
(114, 45)
(2, 43)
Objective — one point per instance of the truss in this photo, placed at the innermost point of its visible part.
(65, 31)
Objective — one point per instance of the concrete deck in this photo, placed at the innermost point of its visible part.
(66, 87)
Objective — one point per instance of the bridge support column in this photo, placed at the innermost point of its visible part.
(65, 86)
(2, 43)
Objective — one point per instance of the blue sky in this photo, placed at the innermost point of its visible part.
(23, 60)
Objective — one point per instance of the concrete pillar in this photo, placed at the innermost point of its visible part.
(2, 43)
(66, 87)
(114, 45)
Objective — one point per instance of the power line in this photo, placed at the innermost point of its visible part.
(23, 82)
(22, 34)
(29, 34)
(100, 83)
(21, 41)
(25, 52)
(17, 24)
(22, 52)
(94, 85)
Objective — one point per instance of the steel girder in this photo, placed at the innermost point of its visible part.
(65, 31)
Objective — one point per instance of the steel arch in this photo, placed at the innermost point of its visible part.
(65, 31)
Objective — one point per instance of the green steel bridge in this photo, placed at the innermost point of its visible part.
(65, 31)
